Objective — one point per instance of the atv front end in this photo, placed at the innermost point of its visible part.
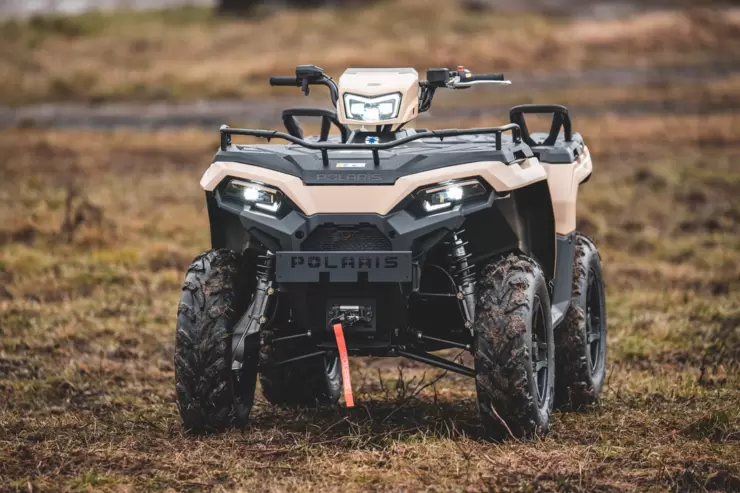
(365, 270)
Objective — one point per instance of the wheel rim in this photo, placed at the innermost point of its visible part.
(594, 317)
(540, 353)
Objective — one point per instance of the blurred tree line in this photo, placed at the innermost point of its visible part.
(244, 6)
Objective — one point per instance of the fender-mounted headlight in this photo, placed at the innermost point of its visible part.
(257, 195)
(443, 196)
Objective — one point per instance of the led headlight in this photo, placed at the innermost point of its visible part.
(372, 109)
(255, 194)
(442, 196)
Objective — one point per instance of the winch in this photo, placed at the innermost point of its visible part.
(349, 315)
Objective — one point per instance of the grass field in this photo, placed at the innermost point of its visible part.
(97, 228)
(189, 54)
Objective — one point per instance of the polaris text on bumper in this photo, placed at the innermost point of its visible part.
(343, 266)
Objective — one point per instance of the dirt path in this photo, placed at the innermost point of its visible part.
(266, 111)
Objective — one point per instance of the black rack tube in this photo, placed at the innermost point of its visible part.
(439, 134)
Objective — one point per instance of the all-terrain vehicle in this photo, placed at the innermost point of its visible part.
(386, 240)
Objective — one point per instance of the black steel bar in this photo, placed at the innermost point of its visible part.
(440, 134)
(293, 360)
(435, 295)
(456, 344)
(291, 337)
(430, 359)
(225, 139)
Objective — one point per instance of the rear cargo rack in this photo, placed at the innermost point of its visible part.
(325, 147)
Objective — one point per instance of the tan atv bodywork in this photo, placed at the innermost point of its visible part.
(375, 199)
(563, 181)
(377, 82)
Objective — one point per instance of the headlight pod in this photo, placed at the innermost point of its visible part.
(443, 196)
(372, 109)
(257, 195)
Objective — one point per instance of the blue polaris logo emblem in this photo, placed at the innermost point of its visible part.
(372, 140)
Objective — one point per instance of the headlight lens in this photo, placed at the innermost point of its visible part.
(372, 109)
(257, 195)
(444, 195)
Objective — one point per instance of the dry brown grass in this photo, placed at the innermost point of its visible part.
(189, 54)
(87, 313)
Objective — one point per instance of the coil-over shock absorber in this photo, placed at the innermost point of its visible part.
(254, 317)
(464, 275)
(265, 266)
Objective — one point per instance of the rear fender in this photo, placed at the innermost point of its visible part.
(564, 180)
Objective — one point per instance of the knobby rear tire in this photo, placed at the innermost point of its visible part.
(581, 367)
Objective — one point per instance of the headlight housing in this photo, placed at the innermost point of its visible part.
(257, 195)
(444, 196)
(372, 109)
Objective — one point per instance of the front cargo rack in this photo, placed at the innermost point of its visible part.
(325, 147)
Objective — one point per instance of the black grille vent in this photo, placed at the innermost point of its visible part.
(334, 239)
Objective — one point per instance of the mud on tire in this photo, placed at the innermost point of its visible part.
(300, 384)
(514, 396)
(205, 318)
(580, 340)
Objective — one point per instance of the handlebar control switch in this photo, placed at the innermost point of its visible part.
(310, 72)
(438, 77)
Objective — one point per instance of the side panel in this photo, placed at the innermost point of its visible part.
(563, 180)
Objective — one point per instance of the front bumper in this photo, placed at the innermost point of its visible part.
(404, 231)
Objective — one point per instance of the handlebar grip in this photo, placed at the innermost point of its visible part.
(477, 77)
(284, 80)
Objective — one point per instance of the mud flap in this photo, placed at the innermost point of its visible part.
(344, 360)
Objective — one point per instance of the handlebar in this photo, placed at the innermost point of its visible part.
(483, 77)
(462, 78)
(305, 76)
(284, 80)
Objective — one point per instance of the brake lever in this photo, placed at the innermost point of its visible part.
(456, 83)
